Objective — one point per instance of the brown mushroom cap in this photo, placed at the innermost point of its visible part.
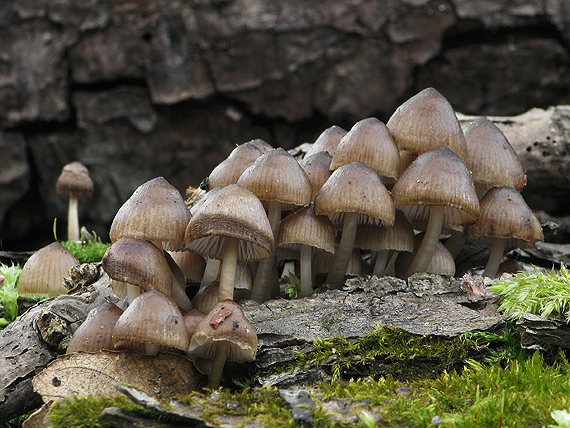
(74, 180)
(399, 236)
(191, 264)
(232, 211)
(232, 327)
(94, 334)
(425, 122)
(277, 176)
(327, 141)
(138, 262)
(229, 170)
(491, 158)
(152, 322)
(316, 167)
(505, 214)
(45, 270)
(438, 178)
(303, 226)
(156, 212)
(369, 142)
(355, 188)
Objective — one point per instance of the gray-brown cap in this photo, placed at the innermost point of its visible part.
(370, 142)
(156, 212)
(152, 322)
(44, 272)
(230, 169)
(95, 333)
(327, 141)
(74, 180)
(425, 122)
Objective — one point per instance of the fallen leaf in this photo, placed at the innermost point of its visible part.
(162, 376)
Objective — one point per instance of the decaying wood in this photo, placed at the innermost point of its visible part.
(37, 337)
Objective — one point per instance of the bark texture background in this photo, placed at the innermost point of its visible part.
(146, 88)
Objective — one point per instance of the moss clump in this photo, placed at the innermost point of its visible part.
(87, 251)
(539, 293)
(395, 352)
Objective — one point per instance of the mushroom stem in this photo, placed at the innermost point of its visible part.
(497, 248)
(431, 238)
(133, 292)
(228, 269)
(217, 369)
(211, 272)
(73, 219)
(306, 276)
(382, 258)
(344, 250)
(261, 289)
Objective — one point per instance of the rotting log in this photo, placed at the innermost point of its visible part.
(36, 338)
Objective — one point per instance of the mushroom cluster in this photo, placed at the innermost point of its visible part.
(409, 192)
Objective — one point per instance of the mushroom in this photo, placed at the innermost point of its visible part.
(44, 272)
(155, 212)
(207, 297)
(369, 142)
(491, 158)
(507, 220)
(229, 170)
(440, 180)
(317, 168)
(425, 122)
(230, 226)
(139, 264)
(327, 141)
(150, 324)
(277, 179)
(353, 194)
(384, 240)
(304, 231)
(74, 181)
(223, 335)
(95, 333)
(441, 263)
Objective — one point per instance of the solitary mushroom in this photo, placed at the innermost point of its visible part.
(74, 181)
(223, 335)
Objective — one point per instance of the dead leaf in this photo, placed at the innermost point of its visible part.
(162, 376)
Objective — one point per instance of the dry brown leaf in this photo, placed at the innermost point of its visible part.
(163, 376)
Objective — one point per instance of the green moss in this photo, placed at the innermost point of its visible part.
(539, 293)
(87, 251)
(395, 352)
(84, 412)
(9, 294)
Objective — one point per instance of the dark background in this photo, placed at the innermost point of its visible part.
(140, 89)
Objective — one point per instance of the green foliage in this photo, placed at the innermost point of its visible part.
(293, 285)
(87, 250)
(9, 294)
(539, 293)
(522, 394)
(83, 412)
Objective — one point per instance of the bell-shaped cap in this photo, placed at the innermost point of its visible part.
(229, 170)
(355, 188)
(438, 177)
(151, 322)
(235, 212)
(74, 181)
(44, 272)
(425, 122)
(156, 212)
(95, 333)
(369, 142)
(227, 324)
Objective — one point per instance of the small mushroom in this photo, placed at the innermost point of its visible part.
(150, 324)
(223, 335)
(74, 181)
(95, 333)
(44, 272)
